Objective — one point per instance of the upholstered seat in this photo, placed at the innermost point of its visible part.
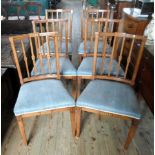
(85, 68)
(100, 47)
(42, 95)
(66, 67)
(110, 96)
(63, 46)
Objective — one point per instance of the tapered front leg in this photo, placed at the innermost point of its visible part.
(21, 128)
(72, 116)
(131, 133)
(78, 125)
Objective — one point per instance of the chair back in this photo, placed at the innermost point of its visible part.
(117, 67)
(54, 25)
(98, 25)
(26, 48)
(92, 14)
(61, 14)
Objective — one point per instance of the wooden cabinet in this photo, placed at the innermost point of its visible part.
(146, 77)
(133, 25)
(119, 8)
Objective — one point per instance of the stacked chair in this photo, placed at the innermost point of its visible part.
(101, 51)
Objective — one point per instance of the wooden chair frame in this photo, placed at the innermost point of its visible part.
(60, 37)
(90, 24)
(61, 14)
(92, 14)
(28, 78)
(125, 79)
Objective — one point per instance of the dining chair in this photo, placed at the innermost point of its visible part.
(92, 25)
(67, 69)
(43, 93)
(86, 48)
(110, 90)
(62, 14)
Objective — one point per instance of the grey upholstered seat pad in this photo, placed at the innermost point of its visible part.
(110, 96)
(88, 49)
(66, 67)
(60, 46)
(42, 95)
(86, 66)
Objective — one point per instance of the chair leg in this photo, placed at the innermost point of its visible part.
(72, 116)
(74, 93)
(131, 133)
(78, 125)
(21, 128)
(79, 59)
(79, 86)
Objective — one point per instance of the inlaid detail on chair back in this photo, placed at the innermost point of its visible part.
(28, 46)
(92, 14)
(119, 64)
(54, 25)
(98, 25)
(61, 14)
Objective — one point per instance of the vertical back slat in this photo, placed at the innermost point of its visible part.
(120, 57)
(95, 53)
(57, 57)
(104, 43)
(40, 54)
(85, 37)
(33, 56)
(25, 58)
(111, 57)
(129, 56)
(66, 26)
(92, 35)
(48, 54)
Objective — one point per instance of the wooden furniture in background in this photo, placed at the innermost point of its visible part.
(38, 84)
(107, 67)
(145, 78)
(133, 25)
(120, 5)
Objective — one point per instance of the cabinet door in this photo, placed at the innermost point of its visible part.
(147, 81)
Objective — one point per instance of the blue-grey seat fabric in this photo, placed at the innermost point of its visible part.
(110, 96)
(86, 65)
(42, 95)
(63, 46)
(100, 47)
(66, 67)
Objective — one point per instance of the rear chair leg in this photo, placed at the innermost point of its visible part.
(72, 116)
(21, 128)
(79, 86)
(78, 126)
(79, 59)
(131, 133)
(74, 93)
